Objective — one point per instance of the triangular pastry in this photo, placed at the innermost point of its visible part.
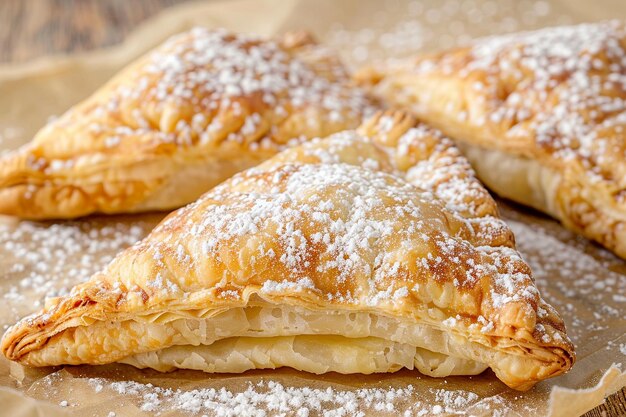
(199, 108)
(367, 251)
(540, 115)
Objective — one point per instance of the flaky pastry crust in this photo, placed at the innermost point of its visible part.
(541, 116)
(204, 105)
(379, 238)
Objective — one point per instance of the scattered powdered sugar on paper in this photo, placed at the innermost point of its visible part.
(406, 28)
(46, 260)
(267, 398)
(548, 257)
(455, 399)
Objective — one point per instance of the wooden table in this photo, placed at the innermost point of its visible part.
(31, 28)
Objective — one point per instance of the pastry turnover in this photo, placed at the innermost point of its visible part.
(368, 251)
(201, 107)
(540, 115)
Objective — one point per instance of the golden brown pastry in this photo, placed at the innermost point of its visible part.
(201, 107)
(540, 115)
(367, 251)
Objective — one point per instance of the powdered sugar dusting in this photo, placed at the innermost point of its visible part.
(563, 88)
(198, 81)
(337, 228)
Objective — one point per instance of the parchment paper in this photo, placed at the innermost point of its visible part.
(585, 283)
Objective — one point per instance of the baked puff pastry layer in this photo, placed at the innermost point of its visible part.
(367, 251)
(199, 108)
(540, 115)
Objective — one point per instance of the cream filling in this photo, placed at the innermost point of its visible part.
(266, 337)
(311, 353)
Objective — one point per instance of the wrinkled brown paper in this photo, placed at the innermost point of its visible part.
(567, 268)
